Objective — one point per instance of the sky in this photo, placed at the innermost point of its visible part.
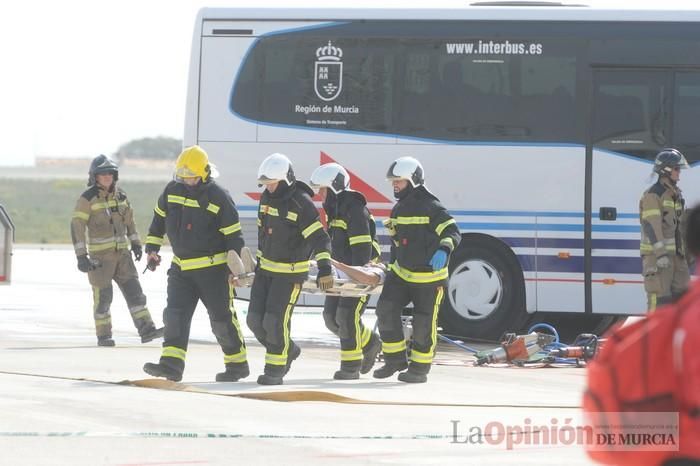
(80, 77)
(83, 77)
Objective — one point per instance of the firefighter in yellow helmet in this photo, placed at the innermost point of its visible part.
(202, 224)
(661, 209)
(105, 212)
(423, 236)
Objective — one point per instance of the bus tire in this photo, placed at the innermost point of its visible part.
(485, 292)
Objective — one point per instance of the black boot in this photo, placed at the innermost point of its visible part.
(151, 334)
(294, 353)
(389, 369)
(161, 370)
(346, 375)
(265, 379)
(413, 377)
(234, 373)
(370, 353)
(105, 341)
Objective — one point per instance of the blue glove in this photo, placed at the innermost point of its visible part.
(439, 260)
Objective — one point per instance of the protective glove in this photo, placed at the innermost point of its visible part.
(153, 261)
(85, 264)
(663, 262)
(389, 225)
(137, 250)
(439, 260)
(325, 281)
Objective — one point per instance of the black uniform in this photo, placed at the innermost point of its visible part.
(289, 231)
(202, 225)
(354, 242)
(421, 226)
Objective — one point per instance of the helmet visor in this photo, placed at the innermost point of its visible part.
(264, 180)
(185, 175)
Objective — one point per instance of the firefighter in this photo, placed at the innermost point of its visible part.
(289, 231)
(661, 209)
(202, 224)
(423, 236)
(103, 253)
(353, 242)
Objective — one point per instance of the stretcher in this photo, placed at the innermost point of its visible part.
(242, 268)
(341, 287)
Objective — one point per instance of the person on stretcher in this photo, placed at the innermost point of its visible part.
(350, 280)
(370, 275)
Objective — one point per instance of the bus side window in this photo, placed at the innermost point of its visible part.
(415, 98)
(687, 115)
(451, 97)
(619, 115)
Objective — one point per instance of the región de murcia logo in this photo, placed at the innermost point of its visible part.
(328, 72)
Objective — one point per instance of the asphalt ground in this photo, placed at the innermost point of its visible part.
(65, 401)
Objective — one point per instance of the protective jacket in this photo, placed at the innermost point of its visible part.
(419, 225)
(660, 212)
(351, 228)
(289, 231)
(109, 219)
(645, 371)
(201, 224)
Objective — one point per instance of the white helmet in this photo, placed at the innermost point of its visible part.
(332, 176)
(276, 167)
(406, 168)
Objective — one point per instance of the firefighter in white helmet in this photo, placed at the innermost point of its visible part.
(423, 236)
(353, 242)
(289, 234)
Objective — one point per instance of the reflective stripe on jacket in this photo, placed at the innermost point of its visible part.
(201, 224)
(289, 232)
(420, 225)
(661, 211)
(352, 229)
(102, 221)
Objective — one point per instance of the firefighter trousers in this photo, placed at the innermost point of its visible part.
(664, 286)
(117, 266)
(426, 298)
(272, 301)
(185, 289)
(343, 317)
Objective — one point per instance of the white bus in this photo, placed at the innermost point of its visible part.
(536, 125)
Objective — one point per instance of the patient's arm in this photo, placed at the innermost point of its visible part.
(357, 273)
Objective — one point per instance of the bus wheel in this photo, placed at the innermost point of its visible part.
(486, 291)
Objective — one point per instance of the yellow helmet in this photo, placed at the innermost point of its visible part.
(193, 162)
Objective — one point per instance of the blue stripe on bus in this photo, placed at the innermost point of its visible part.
(553, 264)
(497, 213)
(467, 226)
(571, 243)
(524, 213)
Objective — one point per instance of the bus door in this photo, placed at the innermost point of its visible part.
(629, 124)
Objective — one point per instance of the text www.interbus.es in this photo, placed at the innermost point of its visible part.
(493, 48)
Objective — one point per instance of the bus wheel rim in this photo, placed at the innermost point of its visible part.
(475, 289)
